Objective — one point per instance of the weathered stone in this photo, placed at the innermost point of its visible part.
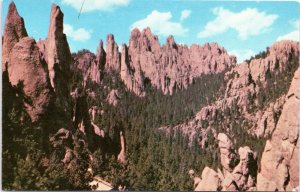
(27, 72)
(14, 31)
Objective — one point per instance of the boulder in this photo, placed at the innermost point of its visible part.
(209, 182)
(27, 72)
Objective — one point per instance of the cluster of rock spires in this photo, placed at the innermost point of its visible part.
(21, 59)
(279, 162)
(39, 70)
(237, 173)
(168, 67)
(241, 84)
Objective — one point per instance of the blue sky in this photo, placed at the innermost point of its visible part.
(244, 28)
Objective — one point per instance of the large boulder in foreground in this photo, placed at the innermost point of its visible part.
(210, 180)
(27, 72)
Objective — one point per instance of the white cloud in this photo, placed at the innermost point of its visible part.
(185, 14)
(248, 22)
(80, 34)
(93, 5)
(242, 55)
(161, 24)
(293, 35)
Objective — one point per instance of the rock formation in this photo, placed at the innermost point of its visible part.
(234, 176)
(245, 172)
(228, 156)
(27, 72)
(58, 57)
(210, 180)
(121, 156)
(112, 54)
(279, 163)
(171, 66)
(101, 59)
(14, 31)
(242, 84)
(113, 97)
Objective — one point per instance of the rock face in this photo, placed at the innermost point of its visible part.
(58, 57)
(279, 119)
(245, 172)
(209, 182)
(234, 176)
(121, 156)
(228, 156)
(36, 69)
(242, 85)
(171, 66)
(167, 67)
(279, 163)
(28, 73)
(14, 30)
(112, 54)
(101, 59)
(113, 97)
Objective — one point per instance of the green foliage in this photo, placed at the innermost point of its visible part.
(26, 164)
(277, 81)
(260, 55)
(159, 161)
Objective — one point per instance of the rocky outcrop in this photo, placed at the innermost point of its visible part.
(267, 118)
(14, 31)
(235, 175)
(210, 180)
(113, 97)
(244, 173)
(58, 57)
(112, 54)
(27, 72)
(121, 155)
(279, 163)
(228, 156)
(171, 66)
(85, 62)
(241, 88)
(101, 59)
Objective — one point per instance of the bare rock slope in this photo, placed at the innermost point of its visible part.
(280, 159)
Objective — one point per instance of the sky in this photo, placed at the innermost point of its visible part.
(243, 28)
